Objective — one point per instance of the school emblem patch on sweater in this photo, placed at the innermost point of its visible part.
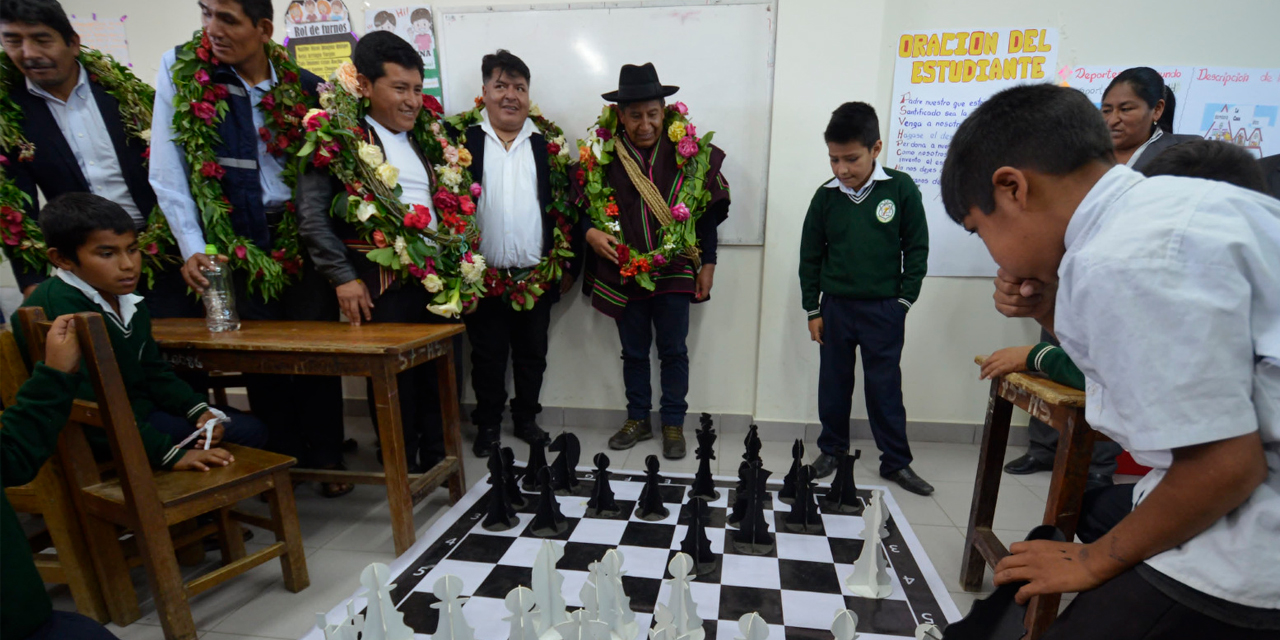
(885, 210)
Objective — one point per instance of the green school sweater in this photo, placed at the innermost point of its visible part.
(28, 437)
(1052, 361)
(878, 248)
(148, 379)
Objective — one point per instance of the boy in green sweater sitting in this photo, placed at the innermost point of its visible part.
(93, 244)
(863, 254)
(29, 437)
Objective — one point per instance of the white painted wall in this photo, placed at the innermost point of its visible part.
(749, 346)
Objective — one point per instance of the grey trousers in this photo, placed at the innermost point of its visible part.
(1044, 440)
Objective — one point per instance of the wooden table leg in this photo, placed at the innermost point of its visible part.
(386, 395)
(982, 511)
(449, 412)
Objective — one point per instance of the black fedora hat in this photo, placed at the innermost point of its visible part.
(639, 83)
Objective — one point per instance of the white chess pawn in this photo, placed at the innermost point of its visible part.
(382, 621)
(580, 627)
(753, 627)
(845, 626)
(523, 617)
(684, 611)
(928, 632)
(453, 623)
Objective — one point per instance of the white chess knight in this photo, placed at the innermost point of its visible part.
(928, 632)
(845, 626)
(870, 577)
(453, 623)
(523, 619)
(684, 612)
(547, 583)
(753, 627)
(348, 629)
(382, 620)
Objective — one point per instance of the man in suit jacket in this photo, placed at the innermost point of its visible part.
(81, 144)
(390, 76)
(517, 222)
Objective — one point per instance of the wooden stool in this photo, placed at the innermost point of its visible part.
(1062, 408)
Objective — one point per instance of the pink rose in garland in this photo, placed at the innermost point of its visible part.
(468, 207)
(202, 77)
(268, 101)
(220, 92)
(211, 169)
(680, 108)
(680, 213)
(315, 119)
(445, 201)
(624, 254)
(205, 111)
(603, 134)
(687, 148)
(475, 190)
(241, 252)
(659, 260)
(691, 130)
(152, 249)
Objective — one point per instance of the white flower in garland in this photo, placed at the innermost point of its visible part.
(402, 252)
(145, 135)
(451, 177)
(366, 210)
(473, 271)
(433, 283)
(535, 112)
(370, 154)
(451, 309)
(388, 174)
(613, 227)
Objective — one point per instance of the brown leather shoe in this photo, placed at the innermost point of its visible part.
(673, 442)
(632, 431)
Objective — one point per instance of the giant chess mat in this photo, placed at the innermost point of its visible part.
(797, 588)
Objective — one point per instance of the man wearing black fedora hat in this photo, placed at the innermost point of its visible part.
(655, 153)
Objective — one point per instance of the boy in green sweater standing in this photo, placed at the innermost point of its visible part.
(29, 437)
(863, 254)
(93, 244)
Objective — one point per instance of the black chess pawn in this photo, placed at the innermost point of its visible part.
(842, 497)
(499, 515)
(742, 495)
(696, 543)
(804, 516)
(650, 506)
(548, 521)
(752, 536)
(564, 469)
(787, 494)
(537, 462)
(602, 504)
(703, 485)
(511, 476)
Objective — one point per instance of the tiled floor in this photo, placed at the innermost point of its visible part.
(343, 535)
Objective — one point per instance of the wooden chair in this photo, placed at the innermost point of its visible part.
(49, 496)
(149, 502)
(1062, 408)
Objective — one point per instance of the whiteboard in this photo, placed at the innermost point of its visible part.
(720, 55)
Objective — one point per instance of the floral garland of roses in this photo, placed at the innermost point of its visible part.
(199, 105)
(443, 260)
(521, 288)
(693, 157)
(21, 233)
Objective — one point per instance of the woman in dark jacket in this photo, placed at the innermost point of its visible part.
(1138, 108)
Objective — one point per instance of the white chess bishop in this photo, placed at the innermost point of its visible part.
(870, 577)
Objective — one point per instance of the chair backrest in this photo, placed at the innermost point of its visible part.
(112, 412)
(13, 371)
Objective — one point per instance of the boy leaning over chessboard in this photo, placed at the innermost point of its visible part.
(1165, 291)
(863, 254)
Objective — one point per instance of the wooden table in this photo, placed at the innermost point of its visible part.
(1062, 408)
(377, 351)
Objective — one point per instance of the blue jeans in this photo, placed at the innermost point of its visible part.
(876, 328)
(65, 625)
(668, 314)
(244, 429)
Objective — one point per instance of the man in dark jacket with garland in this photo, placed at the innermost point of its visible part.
(520, 222)
(82, 140)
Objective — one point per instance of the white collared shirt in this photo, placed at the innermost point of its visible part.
(415, 182)
(1169, 302)
(128, 302)
(860, 194)
(1137, 153)
(86, 133)
(509, 214)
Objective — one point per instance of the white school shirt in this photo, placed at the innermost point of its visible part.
(858, 195)
(1169, 302)
(128, 302)
(86, 133)
(509, 214)
(415, 183)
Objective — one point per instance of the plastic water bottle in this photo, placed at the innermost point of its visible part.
(219, 300)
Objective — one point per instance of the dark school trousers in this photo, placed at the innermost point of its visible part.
(1044, 439)
(303, 413)
(877, 328)
(663, 319)
(66, 625)
(419, 387)
(497, 332)
(244, 429)
(1128, 607)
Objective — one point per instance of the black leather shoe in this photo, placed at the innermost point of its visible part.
(1098, 481)
(486, 441)
(530, 432)
(824, 466)
(907, 479)
(1027, 465)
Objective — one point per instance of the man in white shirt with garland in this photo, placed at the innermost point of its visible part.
(1166, 292)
